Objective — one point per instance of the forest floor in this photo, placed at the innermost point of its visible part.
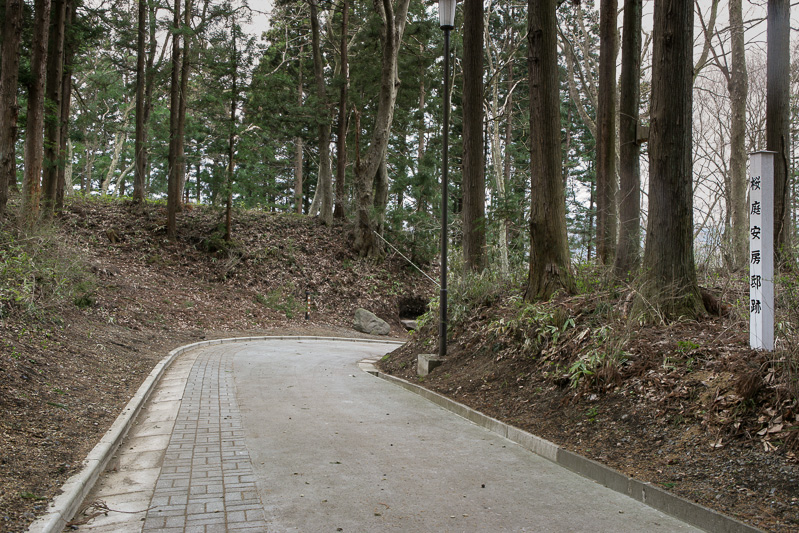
(89, 307)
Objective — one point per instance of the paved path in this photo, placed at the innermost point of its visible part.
(291, 436)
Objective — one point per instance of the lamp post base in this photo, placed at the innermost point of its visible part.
(427, 362)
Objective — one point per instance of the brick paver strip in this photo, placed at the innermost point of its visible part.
(206, 467)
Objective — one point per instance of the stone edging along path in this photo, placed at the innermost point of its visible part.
(64, 506)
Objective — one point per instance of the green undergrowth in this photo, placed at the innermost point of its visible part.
(282, 300)
(38, 271)
(580, 338)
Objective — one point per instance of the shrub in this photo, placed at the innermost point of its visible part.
(38, 271)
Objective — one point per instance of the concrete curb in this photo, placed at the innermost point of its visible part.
(65, 505)
(693, 513)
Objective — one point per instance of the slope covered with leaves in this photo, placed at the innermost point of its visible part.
(90, 304)
(687, 406)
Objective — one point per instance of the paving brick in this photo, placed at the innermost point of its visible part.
(176, 521)
(207, 482)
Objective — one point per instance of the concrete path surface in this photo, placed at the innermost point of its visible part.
(290, 435)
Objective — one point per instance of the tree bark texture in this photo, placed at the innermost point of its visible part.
(173, 184)
(34, 132)
(738, 85)
(66, 101)
(778, 68)
(52, 133)
(506, 173)
(606, 129)
(549, 251)
(669, 287)
(231, 139)
(421, 204)
(324, 183)
(473, 184)
(628, 250)
(298, 147)
(148, 93)
(9, 109)
(185, 70)
(341, 140)
(366, 172)
(141, 81)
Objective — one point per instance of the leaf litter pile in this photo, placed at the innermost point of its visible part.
(73, 354)
(688, 407)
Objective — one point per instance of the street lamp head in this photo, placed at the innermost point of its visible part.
(446, 14)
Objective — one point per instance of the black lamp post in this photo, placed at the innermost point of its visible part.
(446, 17)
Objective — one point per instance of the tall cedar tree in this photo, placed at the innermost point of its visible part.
(606, 132)
(9, 109)
(370, 173)
(738, 85)
(473, 184)
(669, 287)
(341, 136)
(173, 183)
(778, 69)
(298, 143)
(70, 45)
(549, 249)
(234, 103)
(141, 80)
(628, 254)
(52, 131)
(185, 70)
(34, 131)
(325, 182)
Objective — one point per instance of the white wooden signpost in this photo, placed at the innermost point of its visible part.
(761, 251)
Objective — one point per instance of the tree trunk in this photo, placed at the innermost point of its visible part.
(669, 287)
(66, 100)
(324, 184)
(341, 140)
(628, 250)
(390, 37)
(421, 204)
(173, 184)
(381, 196)
(148, 95)
(474, 238)
(34, 132)
(778, 67)
(88, 166)
(185, 70)
(500, 166)
(52, 143)
(67, 189)
(232, 137)
(119, 143)
(606, 129)
(503, 223)
(739, 88)
(298, 147)
(141, 81)
(549, 249)
(9, 109)
(120, 181)
(590, 230)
